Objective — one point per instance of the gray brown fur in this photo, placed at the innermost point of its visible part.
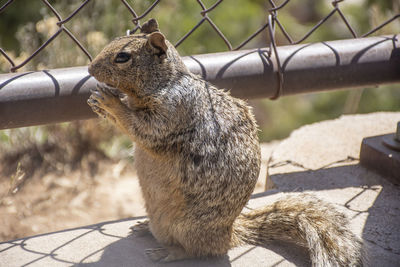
(198, 158)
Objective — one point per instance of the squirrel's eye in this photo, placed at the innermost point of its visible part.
(122, 57)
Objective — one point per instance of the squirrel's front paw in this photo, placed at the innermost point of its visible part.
(94, 104)
(104, 98)
(104, 101)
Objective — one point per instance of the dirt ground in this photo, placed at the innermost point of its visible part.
(51, 202)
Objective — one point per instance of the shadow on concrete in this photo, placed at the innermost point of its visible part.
(129, 251)
(107, 244)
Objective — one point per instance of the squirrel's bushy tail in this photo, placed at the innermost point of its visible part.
(307, 221)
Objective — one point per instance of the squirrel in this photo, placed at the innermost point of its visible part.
(197, 156)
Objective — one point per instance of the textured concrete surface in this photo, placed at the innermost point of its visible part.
(321, 159)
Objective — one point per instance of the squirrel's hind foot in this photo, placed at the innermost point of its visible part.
(140, 229)
(169, 254)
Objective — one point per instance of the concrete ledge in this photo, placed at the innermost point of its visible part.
(321, 159)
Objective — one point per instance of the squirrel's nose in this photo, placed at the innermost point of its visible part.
(92, 68)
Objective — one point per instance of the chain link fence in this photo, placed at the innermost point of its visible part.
(271, 25)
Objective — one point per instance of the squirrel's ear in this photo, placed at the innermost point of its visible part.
(157, 40)
(149, 26)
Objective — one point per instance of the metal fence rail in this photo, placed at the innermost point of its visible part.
(60, 95)
(272, 22)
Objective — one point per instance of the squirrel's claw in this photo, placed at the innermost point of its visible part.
(97, 93)
(107, 90)
(93, 103)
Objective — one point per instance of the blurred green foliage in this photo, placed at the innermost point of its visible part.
(26, 24)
